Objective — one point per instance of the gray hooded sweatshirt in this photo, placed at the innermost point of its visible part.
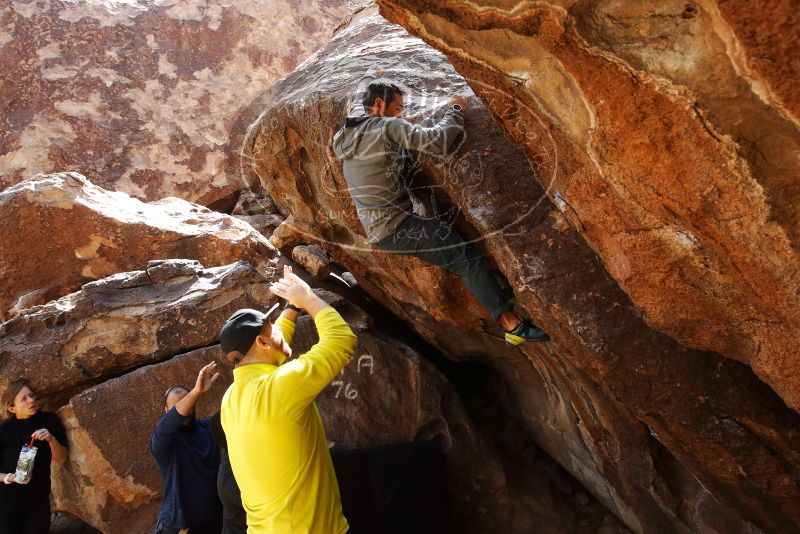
(371, 148)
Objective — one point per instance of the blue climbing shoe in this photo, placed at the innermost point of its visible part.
(526, 332)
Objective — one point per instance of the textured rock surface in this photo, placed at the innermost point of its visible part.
(259, 211)
(313, 259)
(388, 393)
(668, 437)
(286, 236)
(769, 37)
(149, 98)
(667, 134)
(66, 524)
(254, 203)
(123, 322)
(61, 231)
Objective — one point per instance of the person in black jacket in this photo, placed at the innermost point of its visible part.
(234, 518)
(25, 504)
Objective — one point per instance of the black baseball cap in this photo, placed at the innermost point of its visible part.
(243, 327)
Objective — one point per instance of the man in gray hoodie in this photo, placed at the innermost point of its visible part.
(374, 145)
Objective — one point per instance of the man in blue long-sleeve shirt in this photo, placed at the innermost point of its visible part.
(188, 459)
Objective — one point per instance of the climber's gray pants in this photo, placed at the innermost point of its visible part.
(434, 242)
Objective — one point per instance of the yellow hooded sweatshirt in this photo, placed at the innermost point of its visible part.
(276, 442)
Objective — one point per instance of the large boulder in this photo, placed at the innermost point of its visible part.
(122, 322)
(62, 231)
(667, 133)
(149, 98)
(387, 394)
(669, 437)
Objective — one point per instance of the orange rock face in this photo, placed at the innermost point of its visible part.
(668, 136)
(147, 98)
(604, 194)
(63, 231)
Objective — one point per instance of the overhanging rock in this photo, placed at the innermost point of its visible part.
(666, 133)
(669, 438)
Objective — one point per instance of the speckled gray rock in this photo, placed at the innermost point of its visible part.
(149, 98)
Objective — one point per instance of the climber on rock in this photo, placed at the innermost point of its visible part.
(374, 145)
